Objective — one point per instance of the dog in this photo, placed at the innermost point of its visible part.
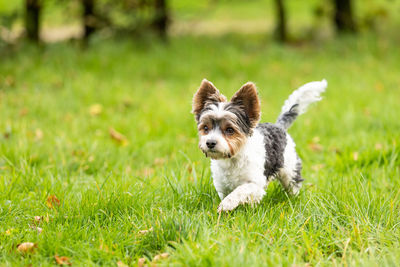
(247, 155)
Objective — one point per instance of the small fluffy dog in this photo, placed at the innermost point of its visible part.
(247, 155)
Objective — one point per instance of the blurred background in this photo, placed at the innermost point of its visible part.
(286, 21)
(75, 73)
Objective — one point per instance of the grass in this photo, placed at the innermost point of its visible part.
(54, 141)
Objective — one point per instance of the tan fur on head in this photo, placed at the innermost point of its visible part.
(247, 97)
(206, 93)
(235, 142)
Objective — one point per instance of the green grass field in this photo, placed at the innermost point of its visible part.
(150, 191)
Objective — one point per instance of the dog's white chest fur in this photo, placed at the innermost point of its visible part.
(246, 167)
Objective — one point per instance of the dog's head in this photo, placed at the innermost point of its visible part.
(225, 126)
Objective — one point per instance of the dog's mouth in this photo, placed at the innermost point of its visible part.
(214, 154)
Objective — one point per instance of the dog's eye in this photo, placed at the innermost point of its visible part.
(229, 131)
(205, 128)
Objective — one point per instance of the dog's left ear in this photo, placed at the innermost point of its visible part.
(247, 99)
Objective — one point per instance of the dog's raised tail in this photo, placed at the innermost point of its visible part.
(299, 100)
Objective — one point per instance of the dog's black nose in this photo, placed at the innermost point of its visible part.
(211, 143)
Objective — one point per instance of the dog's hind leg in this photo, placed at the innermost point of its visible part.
(291, 180)
(290, 174)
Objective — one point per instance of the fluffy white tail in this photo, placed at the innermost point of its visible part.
(299, 100)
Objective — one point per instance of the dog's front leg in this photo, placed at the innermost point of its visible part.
(245, 193)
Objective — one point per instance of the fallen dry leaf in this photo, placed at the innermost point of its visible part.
(146, 172)
(160, 161)
(367, 112)
(161, 256)
(9, 81)
(121, 264)
(189, 168)
(128, 170)
(37, 219)
(103, 246)
(120, 138)
(23, 112)
(63, 260)
(142, 232)
(95, 109)
(316, 139)
(47, 218)
(378, 146)
(52, 201)
(315, 147)
(26, 247)
(38, 134)
(38, 229)
(141, 262)
(317, 167)
(9, 231)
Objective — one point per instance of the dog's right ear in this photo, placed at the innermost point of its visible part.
(207, 93)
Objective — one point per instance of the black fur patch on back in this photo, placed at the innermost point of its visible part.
(275, 143)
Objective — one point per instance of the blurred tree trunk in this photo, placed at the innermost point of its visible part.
(281, 28)
(344, 19)
(88, 19)
(161, 17)
(32, 19)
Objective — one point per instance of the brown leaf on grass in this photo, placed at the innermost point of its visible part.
(128, 169)
(141, 262)
(23, 112)
(38, 229)
(378, 146)
(52, 201)
(37, 219)
(118, 137)
(160, 161)
(9, 81)
(146, 172)
(95, 109)
(189, 168)
(38, 134)
(315, 147)
(7, 133)
(63, 260)
(316, 139)
(27, 247)
(317, 167)
(9, 231)
(47, 218)
(121, 264)
(142, 232)
(161, 256)
(103, 246)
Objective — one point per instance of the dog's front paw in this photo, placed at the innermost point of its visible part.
(228, 204)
